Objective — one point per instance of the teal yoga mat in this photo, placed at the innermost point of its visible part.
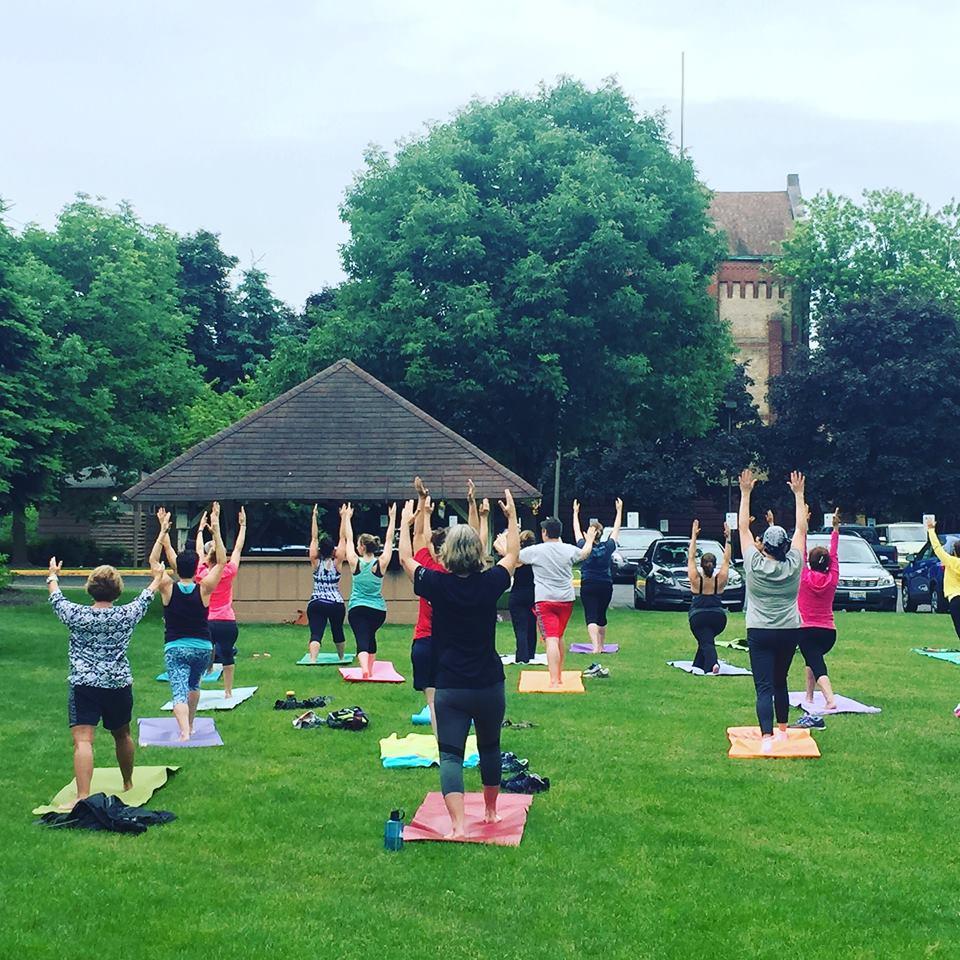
(325, 660)
(950, 656)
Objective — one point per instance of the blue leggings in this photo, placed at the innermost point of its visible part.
(185, 667)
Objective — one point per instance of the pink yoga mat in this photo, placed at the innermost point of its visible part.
(588, 648)
(432, 822)
(164, 732)
(383, 672)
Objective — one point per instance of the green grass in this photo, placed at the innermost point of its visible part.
(650, 844)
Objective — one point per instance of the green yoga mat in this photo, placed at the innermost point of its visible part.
(146, 782)
(733, 645)
(324, 659)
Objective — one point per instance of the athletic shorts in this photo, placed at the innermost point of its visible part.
(421, 655)
(86, 706)
(224, 635)
(553, 616)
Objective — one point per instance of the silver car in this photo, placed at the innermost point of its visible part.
(631, 546)
(864, 583)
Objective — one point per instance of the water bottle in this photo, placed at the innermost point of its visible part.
(291, 695)
(393, 831)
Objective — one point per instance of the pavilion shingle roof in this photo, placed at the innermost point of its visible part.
(756, 224)
(342, 434)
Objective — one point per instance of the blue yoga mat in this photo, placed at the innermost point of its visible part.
(212, 677)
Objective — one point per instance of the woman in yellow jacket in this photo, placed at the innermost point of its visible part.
(951, 572)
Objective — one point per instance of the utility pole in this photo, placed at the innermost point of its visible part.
(683, 92)
(556, 485)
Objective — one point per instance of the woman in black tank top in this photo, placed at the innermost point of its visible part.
(708, 619)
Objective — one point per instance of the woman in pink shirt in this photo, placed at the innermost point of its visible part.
(223, 621)
(818, 584)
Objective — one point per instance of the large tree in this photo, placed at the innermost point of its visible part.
(533, 272)
(870, 412)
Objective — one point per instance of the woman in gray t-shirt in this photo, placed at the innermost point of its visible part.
(772, 570)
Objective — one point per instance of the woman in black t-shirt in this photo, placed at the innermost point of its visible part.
(468, 673)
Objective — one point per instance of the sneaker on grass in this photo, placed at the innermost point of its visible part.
(809, 722)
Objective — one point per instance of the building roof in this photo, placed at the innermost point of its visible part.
(341, 435)
(756, 223)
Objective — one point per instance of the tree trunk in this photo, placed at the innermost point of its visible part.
(19, 531)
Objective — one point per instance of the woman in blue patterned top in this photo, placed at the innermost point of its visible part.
(101, 684)
(326, 602)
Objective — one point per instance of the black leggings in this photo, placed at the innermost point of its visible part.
(955, 613)
(595, 598)
(524, 622)
(771, 652)
(455, 708)
(814, 643)
(706, 627)
(365, 622)
(319, 612)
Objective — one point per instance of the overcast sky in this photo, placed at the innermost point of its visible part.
(250, 118)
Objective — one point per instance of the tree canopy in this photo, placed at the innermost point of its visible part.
(533, 272)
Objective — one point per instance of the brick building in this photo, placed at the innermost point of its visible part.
(765, 321)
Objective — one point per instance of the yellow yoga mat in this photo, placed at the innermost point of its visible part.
(422, 745)
(538, 681)
(146, 782)
(745, 745)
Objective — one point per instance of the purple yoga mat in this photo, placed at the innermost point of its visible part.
(588, 647)
(163, 732)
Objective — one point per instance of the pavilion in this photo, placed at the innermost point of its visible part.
(341, 435)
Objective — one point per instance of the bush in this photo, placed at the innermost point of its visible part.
(73, 551)
(5, 575)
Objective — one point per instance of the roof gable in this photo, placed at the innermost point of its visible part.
(341, 435)
(756, 223)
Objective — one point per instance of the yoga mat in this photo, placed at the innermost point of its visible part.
(733, 645)
(146, 782)
(844, 704)
(538, 681)
(212, 677)
(726, 669)
(745, 745)
(432, 822)
(421, 719)
(948, 655)
(324, 659)
(165, 732)
(383, 672)
(538, 658)
(421, 750)
(588, 648)
(215, 700)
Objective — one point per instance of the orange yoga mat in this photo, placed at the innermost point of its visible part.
(745, 745)
(538, 681)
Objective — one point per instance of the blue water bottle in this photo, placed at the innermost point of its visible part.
(393, 831)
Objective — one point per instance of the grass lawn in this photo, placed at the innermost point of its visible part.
(650, 844)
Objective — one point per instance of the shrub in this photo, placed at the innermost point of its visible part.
(5, 575)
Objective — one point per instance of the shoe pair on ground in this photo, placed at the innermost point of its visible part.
(596, 671)
(809, 722)
(525, 782)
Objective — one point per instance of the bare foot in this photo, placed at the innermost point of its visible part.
(491, 816)
(366, 676)
(832, 706)
(456, 834)
(67, 807)
(183, 737)
(228, 694)
(127, 786)
(716, 669)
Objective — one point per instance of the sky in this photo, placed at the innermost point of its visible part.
(250, 118)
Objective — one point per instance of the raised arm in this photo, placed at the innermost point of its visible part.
(163, 519)
(200, 528)
(340, 550)
(421, 517)
(387, 555)
(724, 573)
(241, 537)
(796, 484)
(406, 545)
(212, 578)
(473, 515)
(53, 575)
(587, 547)
(743, 514)
(692, 571)
(512, 538)
(617, 520)
(349, 547)
(577, 531)
(314, 539)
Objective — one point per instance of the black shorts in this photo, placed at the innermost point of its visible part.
(421, 655)
(595, 598)
(87, 705)
(224, 635)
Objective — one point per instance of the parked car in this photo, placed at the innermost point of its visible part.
(631, 546)
(662, 575)
(865, 584)
(886, 552)
(922, 579)
(908, 538)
